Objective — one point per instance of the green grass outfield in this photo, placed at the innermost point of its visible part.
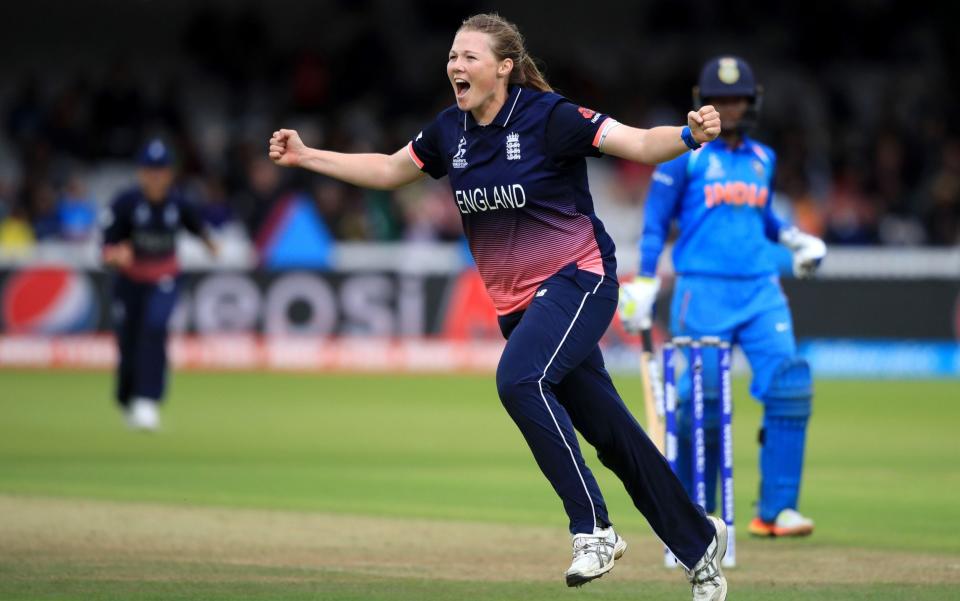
(274, 486)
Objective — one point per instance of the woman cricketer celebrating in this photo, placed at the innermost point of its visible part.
(514, 152)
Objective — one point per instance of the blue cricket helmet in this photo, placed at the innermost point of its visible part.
(155, 153)
(727, 76)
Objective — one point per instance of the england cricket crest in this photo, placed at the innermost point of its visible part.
(513, 146)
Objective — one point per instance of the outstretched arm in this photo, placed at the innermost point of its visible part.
(661, 144)
(378, 171)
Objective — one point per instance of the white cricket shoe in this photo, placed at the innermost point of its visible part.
(143, 414)
(789, 522)
(593, 555)
(706, 578)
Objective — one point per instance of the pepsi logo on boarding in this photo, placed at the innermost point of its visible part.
(48, 300)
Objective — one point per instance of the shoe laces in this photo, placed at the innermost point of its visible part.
(706, 571)
(601, 545)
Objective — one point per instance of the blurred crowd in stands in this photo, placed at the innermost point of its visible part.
(868, 150)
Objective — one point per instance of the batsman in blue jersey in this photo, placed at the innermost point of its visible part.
(727, 285)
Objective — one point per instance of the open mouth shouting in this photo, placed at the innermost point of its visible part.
(462, 86)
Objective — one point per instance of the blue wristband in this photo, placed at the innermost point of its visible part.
(687, 136)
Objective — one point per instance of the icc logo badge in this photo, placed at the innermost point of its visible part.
(728, 72)
(459, 159)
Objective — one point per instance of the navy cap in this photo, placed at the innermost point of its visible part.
(155, 153)
(727, 76)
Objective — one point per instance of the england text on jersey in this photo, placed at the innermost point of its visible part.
(479, 200)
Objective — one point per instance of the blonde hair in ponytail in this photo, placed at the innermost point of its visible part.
(507, 42)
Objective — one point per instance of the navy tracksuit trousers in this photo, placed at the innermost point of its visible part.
(551, 379)
(140, 313)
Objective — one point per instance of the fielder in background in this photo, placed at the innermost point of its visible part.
(139, 241)
(727, 286)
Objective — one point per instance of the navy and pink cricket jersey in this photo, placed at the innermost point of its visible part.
(548, 264)
(144, 293)
(152, 229)
(520, 184)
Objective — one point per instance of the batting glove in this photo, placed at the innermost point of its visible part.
(808, 251)
(636, 303)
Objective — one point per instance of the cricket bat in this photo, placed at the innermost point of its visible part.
(652, 390)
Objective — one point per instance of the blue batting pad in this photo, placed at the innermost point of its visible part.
(787, 408)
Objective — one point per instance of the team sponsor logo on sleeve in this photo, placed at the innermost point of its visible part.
(513, 146)
(589, 114)
(459, 159)
(663, 178)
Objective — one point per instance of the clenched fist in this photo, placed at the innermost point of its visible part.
(704, 124)
(118, 255)
(286, 148)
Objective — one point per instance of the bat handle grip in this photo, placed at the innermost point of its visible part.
(646, 340)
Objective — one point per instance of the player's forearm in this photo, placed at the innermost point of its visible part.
(772, 225)
(657, 211)
(364, 170)
(649, 146)
(650, 248)
(660, 144)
